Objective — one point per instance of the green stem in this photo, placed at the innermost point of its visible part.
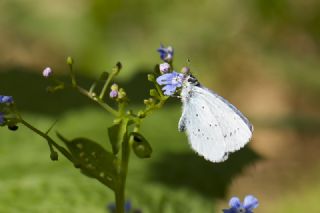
(49, 139)
(123, 171)
(102, 104)
(105, 86)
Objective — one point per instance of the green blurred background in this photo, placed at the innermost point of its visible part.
(262, 55)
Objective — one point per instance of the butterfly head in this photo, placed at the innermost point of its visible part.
(190, 80)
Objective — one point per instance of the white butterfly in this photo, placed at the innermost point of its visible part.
(214, 126)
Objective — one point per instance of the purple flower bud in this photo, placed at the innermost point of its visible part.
(164, 67)
(47, 72)
(113, 94)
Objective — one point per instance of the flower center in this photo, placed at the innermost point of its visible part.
(241, 210)
(176, 80)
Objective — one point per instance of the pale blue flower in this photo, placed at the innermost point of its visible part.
(6, 99)
(171, 81)
(250, 202)
(166, 53)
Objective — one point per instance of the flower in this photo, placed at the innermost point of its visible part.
(47, 72)
(166, 54)
(114, 91)
(171, 82)
(250, 202)
(113, 94)
(164, 67)
(2, 121)
(6, 99)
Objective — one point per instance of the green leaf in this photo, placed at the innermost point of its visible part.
(116, 135)
(141, 146)
(93, 160)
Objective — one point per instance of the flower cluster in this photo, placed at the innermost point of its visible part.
(171, 79)
(116, 93)
(249, 203)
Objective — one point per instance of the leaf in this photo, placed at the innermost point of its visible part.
(116, 135)
(93, 160)
(141, 146)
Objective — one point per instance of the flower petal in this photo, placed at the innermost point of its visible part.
(169, 89)
(165, 79)
(231, 210)
(6, 99)
(235, 202)
(250, 202)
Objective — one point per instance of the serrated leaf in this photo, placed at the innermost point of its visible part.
(141, 146)
(93, 160)
(116, 135)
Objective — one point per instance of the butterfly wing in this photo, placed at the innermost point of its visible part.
(214, 126)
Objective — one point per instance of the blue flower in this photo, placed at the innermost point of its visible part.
(2, 121)
(166, 53)
(250, 202)
(171, 82)
(6, 99)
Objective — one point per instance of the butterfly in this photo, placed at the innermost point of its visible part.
(214, 126)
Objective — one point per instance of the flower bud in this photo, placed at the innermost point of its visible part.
(114, 87)
(69, 60)
(154, 93)
(113, 94)
(47, 72)
(164, 67)
(117, 68)
(54, 156)
(141, 114)
(122, 94)
(151, 77)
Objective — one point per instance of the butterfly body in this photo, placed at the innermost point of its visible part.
(213, 125)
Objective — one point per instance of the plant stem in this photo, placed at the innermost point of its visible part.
(123, 171)
(101, 103)
(105, 86)
(49, 139)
